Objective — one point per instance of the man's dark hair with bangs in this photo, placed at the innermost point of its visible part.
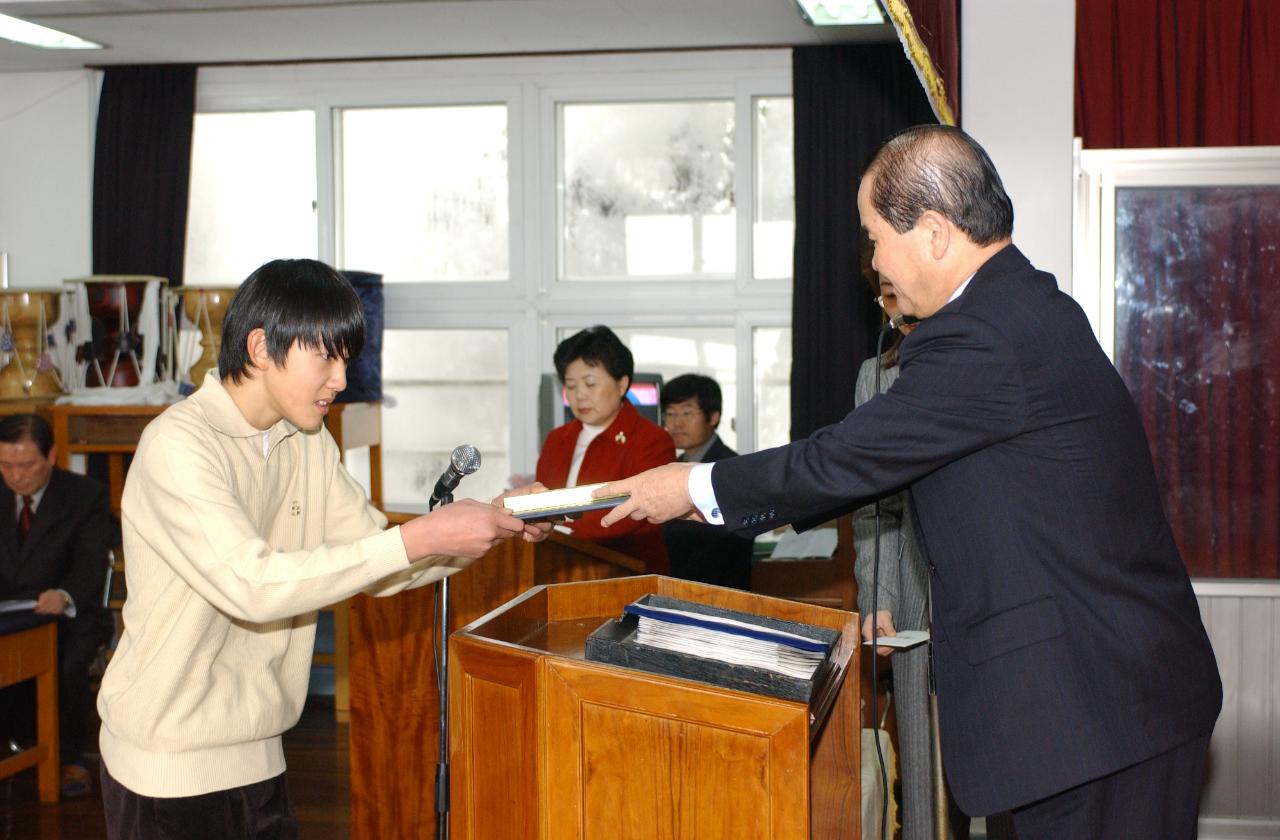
(291, 300)
(940, 168)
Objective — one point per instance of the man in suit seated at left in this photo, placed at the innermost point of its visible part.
(53, 550)
(691, 406)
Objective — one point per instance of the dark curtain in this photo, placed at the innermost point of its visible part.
(1155, 73)
(142, 168)
(848, 100)
(1197, 341)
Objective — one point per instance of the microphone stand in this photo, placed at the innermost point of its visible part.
(441, 651)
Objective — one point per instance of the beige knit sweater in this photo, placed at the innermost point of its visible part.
(229, 553)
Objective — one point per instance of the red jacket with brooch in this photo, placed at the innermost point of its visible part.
(629, 446)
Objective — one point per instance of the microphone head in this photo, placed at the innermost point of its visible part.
(465, 459)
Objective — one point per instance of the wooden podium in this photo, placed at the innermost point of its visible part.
(394, 704)
(546, 745)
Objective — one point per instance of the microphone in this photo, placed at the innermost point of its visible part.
(903, 320)
(464, 460)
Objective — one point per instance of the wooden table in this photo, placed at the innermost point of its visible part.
(29, 650)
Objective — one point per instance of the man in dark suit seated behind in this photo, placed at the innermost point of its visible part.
(691, 407)
(53, 550)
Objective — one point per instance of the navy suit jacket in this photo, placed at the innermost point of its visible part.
(1068, 639)
(66, 548)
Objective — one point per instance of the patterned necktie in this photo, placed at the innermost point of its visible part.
(24, 520)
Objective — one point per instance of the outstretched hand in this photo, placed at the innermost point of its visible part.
(533, 531)
(657, 495)
(466, 528)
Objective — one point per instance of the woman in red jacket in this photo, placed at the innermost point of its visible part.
(607, 440)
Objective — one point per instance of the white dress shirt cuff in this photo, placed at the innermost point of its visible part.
(703, 494)
(70, 611)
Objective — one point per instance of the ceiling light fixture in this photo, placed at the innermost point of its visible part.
(840, 12)
(35, 35)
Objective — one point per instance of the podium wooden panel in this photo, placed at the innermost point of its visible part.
(549, 746)
(394, 704)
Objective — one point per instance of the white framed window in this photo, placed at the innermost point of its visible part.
(1176, 266)
(424, 192)
(411, 176)
(253, 194)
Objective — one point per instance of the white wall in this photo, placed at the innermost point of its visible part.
(1017, 78)
(46, 175)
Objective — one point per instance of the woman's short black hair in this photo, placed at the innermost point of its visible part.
(596, 345)
(690, 386)
(15, 428)
(291, 300)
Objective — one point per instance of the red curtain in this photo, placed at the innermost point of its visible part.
(1154, 73)
(938, 24)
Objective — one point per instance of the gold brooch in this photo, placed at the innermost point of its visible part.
(620, 437)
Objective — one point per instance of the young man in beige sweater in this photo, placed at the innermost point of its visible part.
(239, 523)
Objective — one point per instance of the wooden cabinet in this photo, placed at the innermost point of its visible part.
(547, 745)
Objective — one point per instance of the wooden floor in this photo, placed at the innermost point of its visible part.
(319, 785)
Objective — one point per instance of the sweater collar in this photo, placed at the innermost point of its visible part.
(223, 414)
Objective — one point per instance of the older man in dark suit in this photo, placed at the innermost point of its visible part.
(53, 550)
(1076, 684)
(691, 406)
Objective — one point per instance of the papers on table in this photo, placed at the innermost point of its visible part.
(553, 504)
(820, 542)
(728, 640)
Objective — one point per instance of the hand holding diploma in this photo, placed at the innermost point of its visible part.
(534, 531)
(657, 495)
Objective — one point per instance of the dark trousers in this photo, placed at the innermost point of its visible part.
(1157, 799)
(260, 811)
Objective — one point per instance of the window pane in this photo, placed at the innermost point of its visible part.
(672, 351)
(424, 193)
(447, 387)
(1197, 341)
(774, 228)
(647, 190)
(771, 371)
(253, 193)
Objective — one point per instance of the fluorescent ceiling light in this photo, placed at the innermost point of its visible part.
(840, 12)
(23, 32)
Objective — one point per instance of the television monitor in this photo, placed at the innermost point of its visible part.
(553, 407)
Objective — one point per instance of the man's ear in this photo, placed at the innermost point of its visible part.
(255, 344)
(714, 420)
(52, 457)
(938, 230)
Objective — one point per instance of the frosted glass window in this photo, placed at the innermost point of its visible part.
(672, 351)
(446, 387)
(253, 193)
(773, 230)
(647, 190)
(1197, 288)
(425, 193)
(771, 371)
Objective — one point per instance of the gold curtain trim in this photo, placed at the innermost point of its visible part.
(918, 53)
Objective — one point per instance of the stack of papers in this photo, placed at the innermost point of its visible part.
(553, 504)
(728, 640)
